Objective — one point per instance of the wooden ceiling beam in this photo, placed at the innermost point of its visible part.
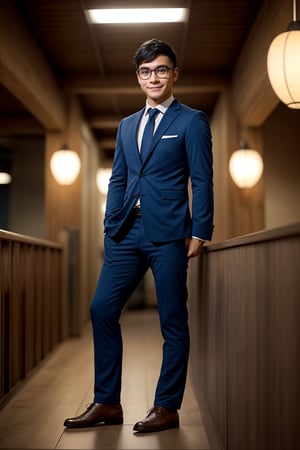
(25, 72)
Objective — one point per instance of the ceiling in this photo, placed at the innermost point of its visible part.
(95, 61)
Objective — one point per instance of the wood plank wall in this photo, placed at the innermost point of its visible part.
(245, 354)
(30, 306)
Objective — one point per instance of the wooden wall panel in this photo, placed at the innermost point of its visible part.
(15, 323)
(241, 348)
(215, 348)
(245, 357)
(6, 287)
(208, 357)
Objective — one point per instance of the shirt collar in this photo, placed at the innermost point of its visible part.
(162, 107)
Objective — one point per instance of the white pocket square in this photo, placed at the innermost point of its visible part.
(169, 136)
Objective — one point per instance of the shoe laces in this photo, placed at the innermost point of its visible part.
(155, 410)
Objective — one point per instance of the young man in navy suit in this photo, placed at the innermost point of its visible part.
(151, 223)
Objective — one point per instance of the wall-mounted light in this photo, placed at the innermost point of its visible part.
(283, 64)
(65, 166)
(245, 166)
(5, 178)
(102, 179)
(5, 166)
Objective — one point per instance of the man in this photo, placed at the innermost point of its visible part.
(148, 224)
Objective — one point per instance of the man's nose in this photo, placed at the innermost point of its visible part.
(153, 76)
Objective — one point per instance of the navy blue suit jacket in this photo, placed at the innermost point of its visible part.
(181, 149)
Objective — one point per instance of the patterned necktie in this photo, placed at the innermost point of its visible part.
(148, 132)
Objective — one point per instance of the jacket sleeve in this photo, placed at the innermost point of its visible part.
(200, 160)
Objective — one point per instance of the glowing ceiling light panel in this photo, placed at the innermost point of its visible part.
(137, 15)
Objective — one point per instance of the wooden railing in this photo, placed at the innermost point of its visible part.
(245, 340)
(32, 309)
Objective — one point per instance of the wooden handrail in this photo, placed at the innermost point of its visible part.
(32, 305)
(257, 237)
(15, 237)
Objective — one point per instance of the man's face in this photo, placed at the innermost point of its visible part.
(158, 89)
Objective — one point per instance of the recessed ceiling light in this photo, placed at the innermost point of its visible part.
(137, 15)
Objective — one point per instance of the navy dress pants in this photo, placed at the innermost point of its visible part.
(125, 264)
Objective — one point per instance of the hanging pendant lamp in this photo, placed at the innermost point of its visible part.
(283, 64)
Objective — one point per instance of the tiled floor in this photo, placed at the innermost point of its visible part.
(64, 385)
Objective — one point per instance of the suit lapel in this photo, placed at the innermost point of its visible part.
(133, 132)
(169, 116)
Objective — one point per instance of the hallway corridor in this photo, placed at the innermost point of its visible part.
(63, 385)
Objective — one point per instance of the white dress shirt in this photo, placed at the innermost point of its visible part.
(162, 107)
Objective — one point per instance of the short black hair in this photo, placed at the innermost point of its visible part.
(149, 50)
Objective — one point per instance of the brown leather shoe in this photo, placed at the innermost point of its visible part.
(97, 414)
(158, 419)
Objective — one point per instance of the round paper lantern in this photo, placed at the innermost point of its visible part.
(283, 64)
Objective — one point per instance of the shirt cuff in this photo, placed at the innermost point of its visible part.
(199, 239)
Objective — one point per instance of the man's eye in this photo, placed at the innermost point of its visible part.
(162, 70)
(144, 72)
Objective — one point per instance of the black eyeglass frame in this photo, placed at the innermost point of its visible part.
(154, 70)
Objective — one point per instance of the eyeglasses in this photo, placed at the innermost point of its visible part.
(160, 71)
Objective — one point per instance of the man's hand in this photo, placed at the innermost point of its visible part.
(194, 247)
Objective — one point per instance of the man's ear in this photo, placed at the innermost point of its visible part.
(175, 73)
